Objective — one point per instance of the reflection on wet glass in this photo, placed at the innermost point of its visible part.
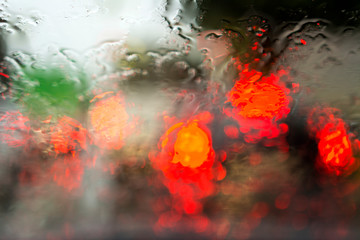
(179, 119)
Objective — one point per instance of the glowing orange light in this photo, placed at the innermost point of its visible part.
(188, 144)
(191, 146)
(189, 169)
(109, 121)
(335, 152)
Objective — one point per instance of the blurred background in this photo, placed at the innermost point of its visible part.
(179, 119)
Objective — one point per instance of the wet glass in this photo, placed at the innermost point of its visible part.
(179, 119)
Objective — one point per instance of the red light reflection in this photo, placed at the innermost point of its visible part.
(67, 171)
(187, 161)
(335, 150)
(14, 129)
(258, 102)
(68, 138)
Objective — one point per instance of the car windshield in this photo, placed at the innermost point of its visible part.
(179, 119)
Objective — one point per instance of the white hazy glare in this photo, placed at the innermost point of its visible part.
(82, 24)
